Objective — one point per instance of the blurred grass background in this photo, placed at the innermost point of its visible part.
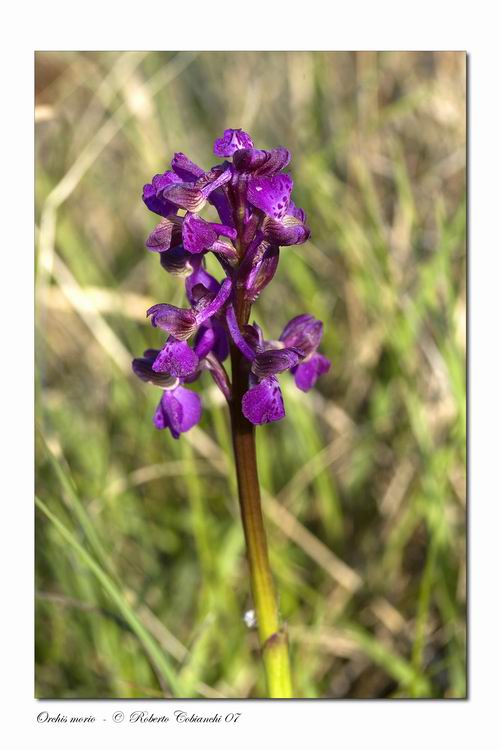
(140, 568)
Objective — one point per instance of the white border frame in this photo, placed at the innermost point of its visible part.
(316, 25)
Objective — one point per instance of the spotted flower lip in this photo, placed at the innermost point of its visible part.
(176, 358)
(284, 223)
(232, 140)
(263, 402)
(271, 194)
(253, 198)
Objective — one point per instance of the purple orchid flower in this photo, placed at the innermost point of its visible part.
(252, 195)
(176, 357)
(188, 186)
(304, 333)
(179, 408)
(296, 350)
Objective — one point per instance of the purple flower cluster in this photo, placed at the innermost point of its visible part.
(252, 197)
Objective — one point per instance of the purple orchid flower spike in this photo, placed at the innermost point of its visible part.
(252, 194)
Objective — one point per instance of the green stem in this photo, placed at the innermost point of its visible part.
(273, 638)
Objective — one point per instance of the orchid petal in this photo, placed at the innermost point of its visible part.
(193, 195)
(179, 262)
(204, 341)
(288, 231)
(200, 277)
(185, 196)
(168, 414)
(165, 235)
(232, 141)
(219, 200)
(179, 410)
(219, 375)
(176, 358)
(262, 273)
(221, 343)
(213, 307)
(191, 407)
(177, 321)
(143, 368)
(261, 163)
(214, 179)
(236, 334)
(307, 373)
(153, 197)
(264, 403)
(271, 194)
(187, 170)
(304, 333)
(197, 234)
(297, 212)
(273, 361)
